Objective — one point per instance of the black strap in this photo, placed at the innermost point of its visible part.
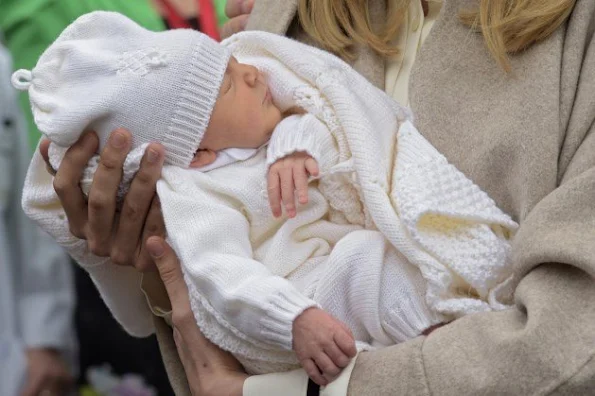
(313, 388)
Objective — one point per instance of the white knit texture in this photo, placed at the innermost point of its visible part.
(106, 72)
(295, 133)
(131, 166)
(119, 286)
(418, 244)
(462, 246)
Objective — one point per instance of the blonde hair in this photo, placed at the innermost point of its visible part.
(507, 26)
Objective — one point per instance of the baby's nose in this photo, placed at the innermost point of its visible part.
(251, 75)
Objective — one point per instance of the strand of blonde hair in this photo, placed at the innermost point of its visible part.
(507, 26)
(511, 26)
(339, 25)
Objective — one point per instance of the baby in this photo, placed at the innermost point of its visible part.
(380, 250)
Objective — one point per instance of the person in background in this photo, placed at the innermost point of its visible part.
(37, 341)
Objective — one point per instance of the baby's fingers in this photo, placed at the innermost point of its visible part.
(338, 357)
(312, 167)
(274, 191)
(301, 183)
(346, 343)
(288, 190)
(314, 372)
(330, 371)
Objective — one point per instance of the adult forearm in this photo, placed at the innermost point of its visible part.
(542, 346)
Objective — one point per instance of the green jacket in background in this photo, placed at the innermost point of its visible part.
(220, 9)
(30, 26)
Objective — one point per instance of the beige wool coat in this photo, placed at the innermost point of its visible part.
(528, 139)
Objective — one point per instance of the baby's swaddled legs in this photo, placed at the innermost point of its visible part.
(403, 309)
(372, 288)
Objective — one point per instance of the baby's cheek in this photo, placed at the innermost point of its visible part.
(258, 130)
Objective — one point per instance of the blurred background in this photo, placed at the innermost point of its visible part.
(53, 324)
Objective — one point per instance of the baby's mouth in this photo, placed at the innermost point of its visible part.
(267, 96)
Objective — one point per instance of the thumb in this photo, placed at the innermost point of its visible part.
(234, 25)
(43, 150)
(169, 269)
(235, 8)
(44, 147)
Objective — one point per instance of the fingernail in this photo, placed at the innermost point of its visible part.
(152, 156)
(118, 139)
(155, 248)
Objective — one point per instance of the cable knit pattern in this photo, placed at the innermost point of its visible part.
(462, 245)
(417, 244)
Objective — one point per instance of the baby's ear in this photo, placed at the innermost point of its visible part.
(203, 157)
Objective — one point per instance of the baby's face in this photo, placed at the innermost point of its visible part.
(244, 115)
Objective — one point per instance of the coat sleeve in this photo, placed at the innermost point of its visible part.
(545, 344)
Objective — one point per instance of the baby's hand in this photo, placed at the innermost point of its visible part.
(285, 177)
(324, 345)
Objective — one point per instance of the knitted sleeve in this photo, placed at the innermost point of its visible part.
(119, 286)
(294, 134)
(210, 233)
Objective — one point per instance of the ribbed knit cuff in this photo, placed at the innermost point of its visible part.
(277, 325)
(196, 101)
(291, 136)
(411, 318)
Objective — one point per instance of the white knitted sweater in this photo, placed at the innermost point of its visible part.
(438, 218)
(379, 173)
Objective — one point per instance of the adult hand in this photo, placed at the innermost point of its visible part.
(238, 12)
(120, 235)
(210, 370)
(47, 373)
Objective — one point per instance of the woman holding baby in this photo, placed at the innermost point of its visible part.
(504, 89)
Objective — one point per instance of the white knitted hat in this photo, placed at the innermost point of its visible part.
(105, 72)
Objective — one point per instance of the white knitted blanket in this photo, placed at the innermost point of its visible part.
(389, 178)
(439, 219)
